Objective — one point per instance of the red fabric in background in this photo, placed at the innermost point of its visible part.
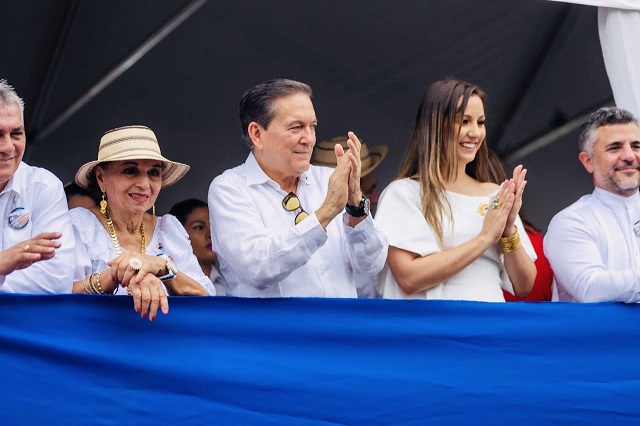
(542, 285)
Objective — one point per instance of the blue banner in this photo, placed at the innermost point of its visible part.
(92, 360)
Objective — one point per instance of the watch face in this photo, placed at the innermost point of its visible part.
(171, 266)
(367, 205)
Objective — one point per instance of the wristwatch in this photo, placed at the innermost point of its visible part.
(361, 210)
(172, 271)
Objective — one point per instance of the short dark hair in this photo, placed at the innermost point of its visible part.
(257, 103)
(606, 116)
(184, 208)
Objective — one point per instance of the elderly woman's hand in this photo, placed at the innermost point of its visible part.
(133, 266)
(149, 295)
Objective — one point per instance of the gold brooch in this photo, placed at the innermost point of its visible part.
(483, 208)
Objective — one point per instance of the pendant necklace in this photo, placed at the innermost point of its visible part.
(114, 236)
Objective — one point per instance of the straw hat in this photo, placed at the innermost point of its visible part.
(324, 154)
(131, 143)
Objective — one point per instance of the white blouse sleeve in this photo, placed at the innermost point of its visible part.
(92, 250)
(400, 218)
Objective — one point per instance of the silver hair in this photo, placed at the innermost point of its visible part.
(9, 96)
(603, 117)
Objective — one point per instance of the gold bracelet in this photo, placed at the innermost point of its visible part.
(91, 286)
(512, 243)
(84, 284)
(100, 290)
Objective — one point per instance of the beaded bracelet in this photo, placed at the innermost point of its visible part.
(512, 243)
(100, 290)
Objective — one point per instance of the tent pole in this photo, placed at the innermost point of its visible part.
(121, 68)
(553, 136)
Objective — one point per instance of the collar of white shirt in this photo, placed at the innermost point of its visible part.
(256, 176)
(607, 197)
(15, 182)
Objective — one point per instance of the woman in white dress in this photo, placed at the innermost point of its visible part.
(120, 248)
(452, 233)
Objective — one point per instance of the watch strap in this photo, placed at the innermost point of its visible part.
(360, 210)
(171, 271)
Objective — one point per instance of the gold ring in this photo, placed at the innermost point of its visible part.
(26, 248)
(496, 203)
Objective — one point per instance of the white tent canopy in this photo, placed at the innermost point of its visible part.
(619, 29)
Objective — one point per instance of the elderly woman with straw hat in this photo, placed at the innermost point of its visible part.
(122, 249)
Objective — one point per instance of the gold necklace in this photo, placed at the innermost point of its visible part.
(114, 236)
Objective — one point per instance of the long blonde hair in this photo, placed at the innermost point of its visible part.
(431, 155)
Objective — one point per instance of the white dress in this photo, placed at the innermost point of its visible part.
(94, 247)
(400, 217)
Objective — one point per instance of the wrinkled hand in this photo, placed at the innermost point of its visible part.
(149, 295)
(519, 174)
(494, 221)
(26, 253)
(353, 153)
(123, 273)
(338, 190)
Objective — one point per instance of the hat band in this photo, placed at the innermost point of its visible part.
(128, 138)
(115, 148)
(125, 154)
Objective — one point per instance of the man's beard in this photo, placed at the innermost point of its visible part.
(612, 182)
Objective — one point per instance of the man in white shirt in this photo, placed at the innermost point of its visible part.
(593, 245)
(278, 223)
(36, 238)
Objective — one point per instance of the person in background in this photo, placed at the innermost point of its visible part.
(452, 233)
(36, 238)
(122, 249)
(193, 214)
(77, 196)
(594, 244)
(542, 286)
(281, 226)
(323, 155)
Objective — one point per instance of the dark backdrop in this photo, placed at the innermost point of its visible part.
(367, 61)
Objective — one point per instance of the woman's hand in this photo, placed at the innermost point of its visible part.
(149, 295)
(519, 174)
(183, 285)
(123, 271)
(498, 212)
